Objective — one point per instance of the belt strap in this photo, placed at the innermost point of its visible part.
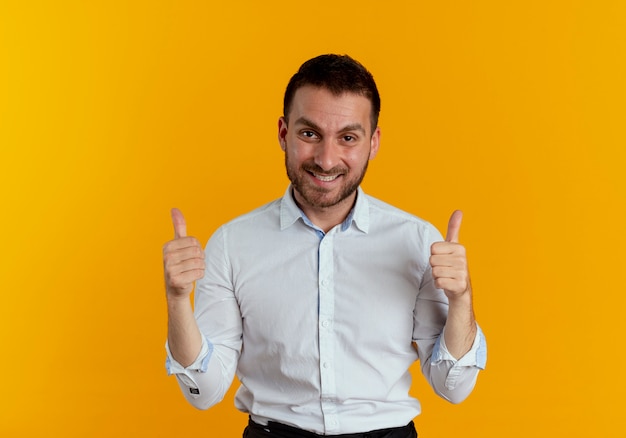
(279, 430)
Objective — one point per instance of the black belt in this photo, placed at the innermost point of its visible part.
(278, 430)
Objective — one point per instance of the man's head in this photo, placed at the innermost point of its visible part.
(338, 74)
(329, 133)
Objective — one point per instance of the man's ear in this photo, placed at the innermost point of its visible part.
(282, 132)
(374, 143)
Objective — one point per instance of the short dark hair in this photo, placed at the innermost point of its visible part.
(338, 74)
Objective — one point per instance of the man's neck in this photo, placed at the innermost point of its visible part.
(326, 218)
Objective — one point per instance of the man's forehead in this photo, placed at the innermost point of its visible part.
(311, 96)
(349, 126)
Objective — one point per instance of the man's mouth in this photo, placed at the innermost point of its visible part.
(326, 178)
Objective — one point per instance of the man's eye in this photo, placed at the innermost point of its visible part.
(308, 134)
(348, 138)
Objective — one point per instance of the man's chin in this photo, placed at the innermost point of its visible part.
(323, 199)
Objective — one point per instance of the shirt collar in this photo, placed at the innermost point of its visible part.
(359, 215)
(289, 211)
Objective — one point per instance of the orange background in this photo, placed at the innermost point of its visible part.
(112, 112)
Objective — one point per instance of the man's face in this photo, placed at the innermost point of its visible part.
(328, 143)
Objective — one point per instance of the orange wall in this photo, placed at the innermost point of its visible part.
(113, 112)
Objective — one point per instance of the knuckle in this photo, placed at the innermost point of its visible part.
(166, 247)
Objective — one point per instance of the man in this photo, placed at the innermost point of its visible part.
(320, 301)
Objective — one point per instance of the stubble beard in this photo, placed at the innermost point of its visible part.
(318, 197)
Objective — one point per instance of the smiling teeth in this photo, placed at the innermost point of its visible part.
(326, 178)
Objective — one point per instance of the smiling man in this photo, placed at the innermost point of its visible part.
(321, 300)
(327, 148)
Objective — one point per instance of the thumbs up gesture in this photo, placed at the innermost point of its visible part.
(449, 263)
(183, 259)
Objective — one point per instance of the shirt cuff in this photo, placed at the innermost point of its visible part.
(475, 357)
(201, 363)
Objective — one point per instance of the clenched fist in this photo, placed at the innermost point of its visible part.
(183, 259)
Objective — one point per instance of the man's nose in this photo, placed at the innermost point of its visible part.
(327, 154)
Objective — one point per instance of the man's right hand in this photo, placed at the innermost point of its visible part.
(183, 259)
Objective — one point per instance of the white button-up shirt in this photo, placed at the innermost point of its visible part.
(319, 327)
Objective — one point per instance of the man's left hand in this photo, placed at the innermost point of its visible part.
(449, 262)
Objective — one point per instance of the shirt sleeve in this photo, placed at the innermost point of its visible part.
(455, 378)
(451, 378)
(205, 382)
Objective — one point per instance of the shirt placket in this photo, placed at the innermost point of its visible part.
(326, 333)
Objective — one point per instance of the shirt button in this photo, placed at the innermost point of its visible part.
(324, 282)
(325, 323)
(326, 365)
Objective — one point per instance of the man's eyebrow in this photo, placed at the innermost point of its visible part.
(306, 122)
(351, 127)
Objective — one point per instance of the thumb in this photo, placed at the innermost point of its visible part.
(454, 225)
(180, 226)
